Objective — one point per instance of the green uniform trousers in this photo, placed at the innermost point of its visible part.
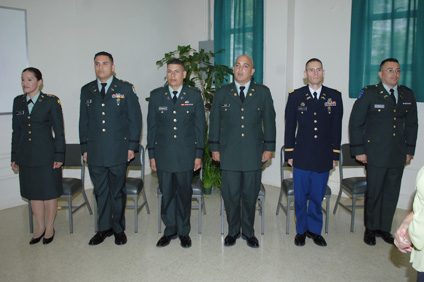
(240, 190)
(111, 195)
(176, 201)
(383, 187)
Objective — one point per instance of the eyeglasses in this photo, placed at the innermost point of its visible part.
(397, 71)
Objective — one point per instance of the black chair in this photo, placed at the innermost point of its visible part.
(354, 187)
(288, 190)
(71, 186)
(197, 186)
(134, 187)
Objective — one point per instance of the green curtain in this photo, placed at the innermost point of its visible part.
(383, 29)
(239, 29)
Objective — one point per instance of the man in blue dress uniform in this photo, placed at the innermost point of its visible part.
(110, 129)
(383, 129)
(316, 111)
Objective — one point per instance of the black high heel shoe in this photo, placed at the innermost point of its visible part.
(48, 240)
(36, 240)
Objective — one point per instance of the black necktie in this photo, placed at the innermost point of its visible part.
(103, 91)
(315, 96)
(174, 99)
(29, 101)
(392, 94)
(242, 93)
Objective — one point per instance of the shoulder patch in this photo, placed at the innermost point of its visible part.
(291, 91)
(361, 93)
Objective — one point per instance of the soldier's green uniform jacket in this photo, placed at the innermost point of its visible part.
(386, 132)
(241, 132)
(111, 126)
(33, 143)
(176, 132)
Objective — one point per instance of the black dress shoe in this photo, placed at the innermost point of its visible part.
(36, 240)
(386, 236)
(165, 239)
(231, 240)
(299, 239)
(120, 238)
(48, 240)
(100, 237)
(318, 239)
(185, 241)
(251, 241)
(369, 237)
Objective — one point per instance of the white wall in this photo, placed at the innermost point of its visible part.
(63, 36)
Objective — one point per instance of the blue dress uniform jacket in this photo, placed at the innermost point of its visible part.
(32, 141)
(110, 127)
(176, 132)
(319, 125)
(386, 132)
(241, 132)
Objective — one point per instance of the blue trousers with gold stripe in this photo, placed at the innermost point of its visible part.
(309, 186)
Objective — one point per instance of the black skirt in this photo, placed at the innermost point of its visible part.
(41, 182)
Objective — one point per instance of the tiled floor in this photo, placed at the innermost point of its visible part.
(69, 258)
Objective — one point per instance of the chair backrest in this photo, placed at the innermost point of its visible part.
(138, 161)
(283, 164)
(347, 160)
(73, 155)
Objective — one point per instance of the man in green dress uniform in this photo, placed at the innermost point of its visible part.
(176, 137)
(110, 129)
(383, 132)
(242, 138)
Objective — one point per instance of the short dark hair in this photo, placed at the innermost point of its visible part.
(103, 53)
(36, 72)
(176, 62)
(393, 60)
(313, 60)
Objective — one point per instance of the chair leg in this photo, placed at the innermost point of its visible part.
(327, 214)
(338, 200)
(263, 215)
(145, 200)
(96, 222)
(71, 225)
(279, 202)
(203, 205)
(199, 200)
(222, 216)
(31, 222)
(288, 215)
(159, 213)
(352, 220)
(136, 214)
(87, 203)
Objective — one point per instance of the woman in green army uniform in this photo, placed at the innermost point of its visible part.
(37, 153)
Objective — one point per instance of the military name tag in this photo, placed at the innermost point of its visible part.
(225, 105)
(163, 108)
(302, 109)
(19, 113)
(378, 106)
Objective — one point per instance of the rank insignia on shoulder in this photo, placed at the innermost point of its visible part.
(58, 101)
(291, 91)
(361, 94)
(133, 88)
